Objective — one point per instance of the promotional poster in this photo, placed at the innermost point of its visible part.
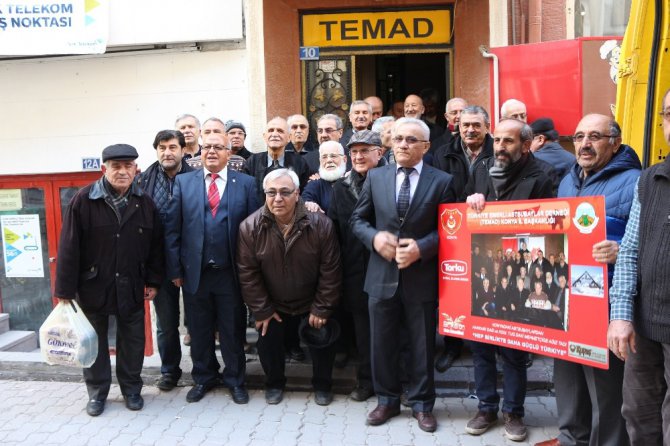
(521, 274)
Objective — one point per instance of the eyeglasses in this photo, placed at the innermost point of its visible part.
(330, 156)
(665, 114)
(328, 130)
(593, 137)
(409, 139)
(363, 152)
(218, 148)
(298, 126)
(518, 116)
(285, 193)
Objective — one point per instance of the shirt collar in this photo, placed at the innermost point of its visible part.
(280, 159)
(417, 167)
(223, 174)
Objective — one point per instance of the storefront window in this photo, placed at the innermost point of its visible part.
(601, 17)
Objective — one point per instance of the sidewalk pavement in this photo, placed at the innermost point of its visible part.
(41, 413)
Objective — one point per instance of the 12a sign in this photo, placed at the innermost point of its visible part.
(90, 164)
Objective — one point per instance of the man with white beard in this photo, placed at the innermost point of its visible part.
(333, 165)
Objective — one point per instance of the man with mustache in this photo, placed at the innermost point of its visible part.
(189, 125)
(318, 193)
(415, 108)
(236, 136)
(589, 399)
(258, 165)
(299, 142)
(158, 181)
(360, 116)
(511, 174)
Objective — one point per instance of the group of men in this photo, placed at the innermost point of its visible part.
(364, 236)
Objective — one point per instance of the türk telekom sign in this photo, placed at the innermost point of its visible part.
(498, 284)
(30, 27)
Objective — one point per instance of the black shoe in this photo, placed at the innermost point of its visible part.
(239, 394)
(198, 392)
(323, 398)
(444, 361)
(274, 396)
(95, 407)
(134, 401)
(361, 393)
(296, 354)
(167, 382)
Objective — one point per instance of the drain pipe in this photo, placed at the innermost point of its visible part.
(496, 87)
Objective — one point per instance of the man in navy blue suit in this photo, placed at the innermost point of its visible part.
(396, 219)
(204, 216)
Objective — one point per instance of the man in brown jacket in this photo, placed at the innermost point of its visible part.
(289, 268)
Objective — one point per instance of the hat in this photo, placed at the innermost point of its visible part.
(365, 137)
(119, 152)
(235, 125)
(544, 126)
(319, 337)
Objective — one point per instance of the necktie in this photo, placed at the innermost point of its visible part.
(213, 194)
(403, 195)
(275, 164)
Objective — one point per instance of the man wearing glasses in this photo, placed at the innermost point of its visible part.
(289, 261)
(204, 214)
(396, 219)
(589, 399)
(514, 109)
(333, 161)
(639, 330)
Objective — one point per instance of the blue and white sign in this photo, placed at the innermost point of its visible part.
(309, 53)
(90, 164)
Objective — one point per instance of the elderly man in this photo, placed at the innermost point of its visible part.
(289, 261)
(414, 108)
(453, 111)
(298, 127)
(545, 147)
(236, 135)
(384, 127)
(318, 193)
(364, 153)
(216, 126)
(189, 125)
(276, 138)
(472, 147)
(514, 109)
(377, 107)
(589, 399)
(110, 258)
(158, 181)
(639, 330)
(360, 116)
(329, 128)
(400, 229)
(204, 213)
(511, 174)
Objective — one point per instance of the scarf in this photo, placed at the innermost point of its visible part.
(504, 179)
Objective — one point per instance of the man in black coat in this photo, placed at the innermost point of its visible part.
(511, 174)
(365, 153)
(276, 138)
(158, 181)
(110, 258)
(396, 219)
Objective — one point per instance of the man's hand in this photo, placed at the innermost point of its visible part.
(178, 282)
(555, 308)
(316, 321)
(150, 292)
(621, 338)
(407, 252)
(476, 202)
(263, 325)
(314, 177)
(606, 251)
(313, 207)
(385, 244)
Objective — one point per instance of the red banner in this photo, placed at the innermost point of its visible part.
(521, 274)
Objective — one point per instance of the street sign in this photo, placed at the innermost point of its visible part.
(90, 164)
(309, 53)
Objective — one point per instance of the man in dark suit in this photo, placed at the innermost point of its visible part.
(396, 219)
(204, 215)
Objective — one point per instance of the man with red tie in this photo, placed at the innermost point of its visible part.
(204, 215)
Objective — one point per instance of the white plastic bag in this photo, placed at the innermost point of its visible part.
(68, 338)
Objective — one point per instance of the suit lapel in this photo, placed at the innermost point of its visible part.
(422, 187)
(389, 185)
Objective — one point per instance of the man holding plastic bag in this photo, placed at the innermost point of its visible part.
(110, 259)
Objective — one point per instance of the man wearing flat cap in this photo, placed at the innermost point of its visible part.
(545, 147)
(110, 258)
(236, 135)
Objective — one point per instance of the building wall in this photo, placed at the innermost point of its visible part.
(282, 40)
(56, 111)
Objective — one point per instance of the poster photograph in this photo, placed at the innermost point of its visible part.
(521, 274)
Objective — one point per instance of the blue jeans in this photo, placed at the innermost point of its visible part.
(166, 304)
(486, 379)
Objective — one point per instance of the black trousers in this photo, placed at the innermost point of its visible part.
(216, 306)
(273, 357)
(166, 304)
(129, 355)
(387, 317)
